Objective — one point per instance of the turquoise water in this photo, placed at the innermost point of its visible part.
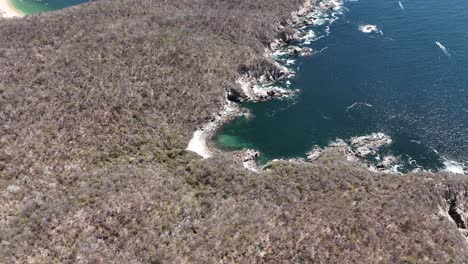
(400, 81)
(39, 6)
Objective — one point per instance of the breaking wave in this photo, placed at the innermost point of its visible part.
(454, 167)
(370, 29)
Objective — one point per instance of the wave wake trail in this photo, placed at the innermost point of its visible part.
(401, 5)
(443, 48)
(357, 104)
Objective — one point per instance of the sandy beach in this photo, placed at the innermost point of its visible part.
(8, 10)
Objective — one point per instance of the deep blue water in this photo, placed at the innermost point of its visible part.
(419, 94)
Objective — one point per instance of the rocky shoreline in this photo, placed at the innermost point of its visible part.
(358, 149)
(261, 88)
(253, 86)
(292, 33)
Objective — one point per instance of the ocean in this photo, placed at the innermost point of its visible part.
(396, 67)
(39, 6)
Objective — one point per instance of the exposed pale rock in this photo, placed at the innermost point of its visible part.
(249, 159)
(369, 144)
(13, 188)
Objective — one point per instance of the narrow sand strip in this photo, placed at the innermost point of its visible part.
(199, 145)
(8, 10)
(199, 142)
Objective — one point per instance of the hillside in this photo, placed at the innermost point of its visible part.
(97, 105)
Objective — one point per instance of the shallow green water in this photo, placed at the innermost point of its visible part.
(34, 6)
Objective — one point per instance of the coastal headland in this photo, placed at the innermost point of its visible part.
(98, 104)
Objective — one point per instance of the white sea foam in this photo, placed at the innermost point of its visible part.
(401, 5)
(453, 167)
(443, 48)
(320, 21)
(309, 37)
(279, 52)
(370, 29)
(414, 163)
(394, 168)
(320, 51)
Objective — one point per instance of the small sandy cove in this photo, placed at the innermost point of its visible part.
(8, 10)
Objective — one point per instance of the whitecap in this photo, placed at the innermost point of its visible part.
(370, 29)
(401, 5)
(443, 48)
(357, 104)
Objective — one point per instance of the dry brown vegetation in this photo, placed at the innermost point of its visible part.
(97, 104)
